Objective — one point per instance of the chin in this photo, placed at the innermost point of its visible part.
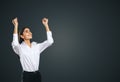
(30, 38)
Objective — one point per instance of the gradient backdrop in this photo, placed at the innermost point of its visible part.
(86, 35)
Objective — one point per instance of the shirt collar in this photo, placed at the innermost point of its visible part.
(24, 44)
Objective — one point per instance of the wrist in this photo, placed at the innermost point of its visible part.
(46, 25)
(16, 26)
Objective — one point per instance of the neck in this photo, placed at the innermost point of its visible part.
(28, 42)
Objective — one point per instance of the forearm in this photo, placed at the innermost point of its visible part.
(45, 23)
(15, 23)
(15, 30)
(47, 27)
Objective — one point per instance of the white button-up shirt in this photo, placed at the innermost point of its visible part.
(30, 56)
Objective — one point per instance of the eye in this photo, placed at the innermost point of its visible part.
(27, 31)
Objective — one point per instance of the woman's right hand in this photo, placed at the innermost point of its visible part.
(15, 22)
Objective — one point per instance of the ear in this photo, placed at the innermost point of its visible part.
(22, 36)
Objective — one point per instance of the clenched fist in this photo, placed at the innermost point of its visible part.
(15, 22)
(45, 21)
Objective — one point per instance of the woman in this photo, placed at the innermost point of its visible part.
(29, 52)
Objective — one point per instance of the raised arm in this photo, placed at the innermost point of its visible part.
(49, 41)
(15, 42)
(15, 23)
(49, 33)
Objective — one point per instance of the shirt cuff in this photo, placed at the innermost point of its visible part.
(49, 33)
(16, 35)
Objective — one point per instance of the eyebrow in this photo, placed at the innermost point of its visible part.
(26, 30)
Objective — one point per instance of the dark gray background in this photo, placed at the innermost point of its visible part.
(86, 34)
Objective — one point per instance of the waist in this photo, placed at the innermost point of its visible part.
(31, 72)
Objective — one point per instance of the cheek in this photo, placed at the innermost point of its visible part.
(27, 36)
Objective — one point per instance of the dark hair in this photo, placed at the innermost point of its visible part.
(21, 33)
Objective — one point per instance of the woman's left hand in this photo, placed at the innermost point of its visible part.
(45, 21)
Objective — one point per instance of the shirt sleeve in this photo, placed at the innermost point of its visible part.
(15, 44)
(46, 43)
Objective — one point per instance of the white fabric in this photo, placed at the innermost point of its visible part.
(30, 56)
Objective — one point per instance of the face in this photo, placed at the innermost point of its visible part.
(27, 35)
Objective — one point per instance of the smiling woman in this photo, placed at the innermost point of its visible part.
(25, 33)
(29, 52)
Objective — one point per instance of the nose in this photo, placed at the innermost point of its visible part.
(30, 32)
